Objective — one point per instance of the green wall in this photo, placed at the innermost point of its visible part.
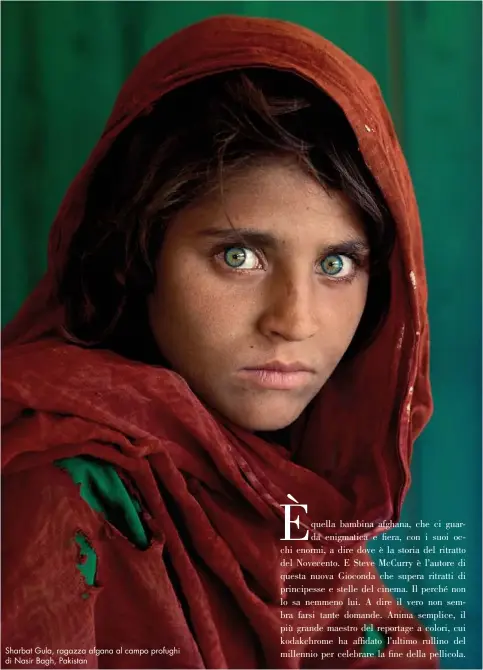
(63, 63)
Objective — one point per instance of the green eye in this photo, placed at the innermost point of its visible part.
(332, 265)
(235, 256)
(241, 258)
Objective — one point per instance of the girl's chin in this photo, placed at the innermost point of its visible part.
(264, 419)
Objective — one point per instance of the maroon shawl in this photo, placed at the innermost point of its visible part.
(221, 533)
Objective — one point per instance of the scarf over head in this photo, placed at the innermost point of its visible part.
(209, 582)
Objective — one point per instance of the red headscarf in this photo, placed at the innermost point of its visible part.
(351, 454)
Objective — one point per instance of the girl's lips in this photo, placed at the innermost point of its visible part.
(276, 379)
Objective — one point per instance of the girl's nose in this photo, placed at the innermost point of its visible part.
(289, 310)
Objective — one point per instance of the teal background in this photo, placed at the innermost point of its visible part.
(62, 65)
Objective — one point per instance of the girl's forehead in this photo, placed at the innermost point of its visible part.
(271, 204)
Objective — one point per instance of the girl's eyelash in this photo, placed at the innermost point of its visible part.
(355, 258)
(222, 249)
(359, 260)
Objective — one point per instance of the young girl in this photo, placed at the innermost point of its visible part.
(233, 322)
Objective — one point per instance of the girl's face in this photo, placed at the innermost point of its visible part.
(291, 293)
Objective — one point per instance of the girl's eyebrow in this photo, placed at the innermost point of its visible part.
(260, 238)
